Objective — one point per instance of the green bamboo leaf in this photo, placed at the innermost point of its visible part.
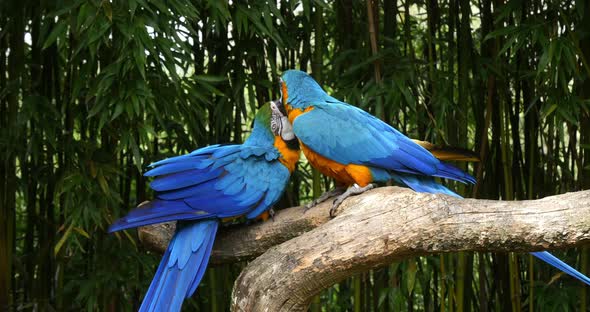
(546, 57)
(102, 182)
(62, 240)
(99, 33)
(130, 238)
(135, 151)
(108, 10)
(210, 78)
(118, 110)
(139, 56)
(411, 275)
(58, 30)
(86, 15)
(549, 111)
(502, 32)
(81, 232)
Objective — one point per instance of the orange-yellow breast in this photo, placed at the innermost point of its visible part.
(289, 157)
(344, 174)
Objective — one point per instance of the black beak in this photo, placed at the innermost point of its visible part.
(281, 107)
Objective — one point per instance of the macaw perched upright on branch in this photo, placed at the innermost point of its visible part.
(356, 149)
(200, 188)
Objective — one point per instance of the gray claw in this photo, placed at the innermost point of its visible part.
(325, 196)
(351, 191)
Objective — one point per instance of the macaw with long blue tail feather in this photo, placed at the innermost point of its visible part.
(357, 149)
(201, 188)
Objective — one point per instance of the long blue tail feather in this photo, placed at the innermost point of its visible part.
(423, 184)
(449, 171)
(554, 261)
(182, 267)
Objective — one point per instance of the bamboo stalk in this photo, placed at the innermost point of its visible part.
(372, 14)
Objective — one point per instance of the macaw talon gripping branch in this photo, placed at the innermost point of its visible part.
(325, 196)
(355, 189)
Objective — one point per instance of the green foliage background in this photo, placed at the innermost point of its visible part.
(93, 91)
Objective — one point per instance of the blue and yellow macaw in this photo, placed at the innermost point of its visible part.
(356, 149)
(201, 188)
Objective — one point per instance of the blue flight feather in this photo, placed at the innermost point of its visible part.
(183, 179)
(157, 212)
(180, 268)
(200, 190)
(173, 168)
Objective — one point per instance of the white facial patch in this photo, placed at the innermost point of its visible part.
(279, 124)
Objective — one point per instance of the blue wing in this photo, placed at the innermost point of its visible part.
(182, 267)
(349, 135)
(215, 181)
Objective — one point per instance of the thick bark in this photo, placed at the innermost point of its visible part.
(376, 228)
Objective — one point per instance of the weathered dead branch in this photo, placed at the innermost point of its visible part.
(312, 252)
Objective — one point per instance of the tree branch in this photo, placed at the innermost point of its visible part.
(245, 242)
(381, 226)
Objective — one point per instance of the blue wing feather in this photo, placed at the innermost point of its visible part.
(158, 211)
(183, 179)
(217, 181)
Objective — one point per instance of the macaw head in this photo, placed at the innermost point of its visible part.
(300, 90)
(271, 126)
(273, 129)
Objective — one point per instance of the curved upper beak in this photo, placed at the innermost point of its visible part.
(281, 107)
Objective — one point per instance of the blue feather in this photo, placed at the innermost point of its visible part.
(200, 190)
(422, 184)
(182, 267)
(451, 172)
(183, 179)
(158, 211)
(214, 204)
(170, 160)
(227, 150)
(554, 261)
(173, 167)
(259, 209)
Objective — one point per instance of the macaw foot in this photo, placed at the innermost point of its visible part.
(269, 214)
(336, 191)
(351, 191)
